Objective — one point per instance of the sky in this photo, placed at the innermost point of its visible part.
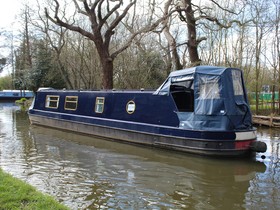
(9, 10)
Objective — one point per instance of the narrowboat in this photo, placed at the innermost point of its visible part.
(15, 94)
(202, 110)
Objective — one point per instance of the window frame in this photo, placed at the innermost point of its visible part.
(209, 87)
(238, 89)
(71, 102)
(97, 104)
(48, 101)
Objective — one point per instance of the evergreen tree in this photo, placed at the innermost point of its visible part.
(44, 73)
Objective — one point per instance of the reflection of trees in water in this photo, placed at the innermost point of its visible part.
(264, 190)
(21, 127)
(84, 171)
(101, 194)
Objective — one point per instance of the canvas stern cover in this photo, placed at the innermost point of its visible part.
(220, 101)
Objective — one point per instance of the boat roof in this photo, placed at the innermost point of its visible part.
(142, 90)
(212, 70)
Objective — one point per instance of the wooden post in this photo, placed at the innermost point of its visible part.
(271, 120)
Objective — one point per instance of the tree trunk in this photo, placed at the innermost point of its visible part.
(107, 77)
(192, 37)
(273, 98)
(64, 74)
(175, 58)
(28, 47)
(257, 97)
(106, 61)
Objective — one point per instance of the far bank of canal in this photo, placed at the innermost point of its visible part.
(83, 172)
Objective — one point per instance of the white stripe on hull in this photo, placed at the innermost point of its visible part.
(246, 135)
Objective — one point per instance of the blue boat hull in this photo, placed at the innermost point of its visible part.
(197, 142)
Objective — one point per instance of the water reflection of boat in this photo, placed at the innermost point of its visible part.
(121, 169)
(238, 167)
(201, 110)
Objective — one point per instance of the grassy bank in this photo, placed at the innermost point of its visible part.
(16, 194)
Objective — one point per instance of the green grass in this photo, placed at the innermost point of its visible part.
(265, 108)
(21, 101)
(16, 194)
(24, 103)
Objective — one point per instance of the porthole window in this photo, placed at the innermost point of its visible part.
(130, 107)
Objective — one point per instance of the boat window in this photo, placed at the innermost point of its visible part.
(130, 107)
(237, 83)
(209, 87)
(99, 104)
(52, 101)
(182, 78)
(183, 94)
(71, 102)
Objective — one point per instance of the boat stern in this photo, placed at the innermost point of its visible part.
(247, 140)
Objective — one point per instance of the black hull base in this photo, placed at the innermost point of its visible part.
(195, 146)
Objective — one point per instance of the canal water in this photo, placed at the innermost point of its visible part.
(83, 172)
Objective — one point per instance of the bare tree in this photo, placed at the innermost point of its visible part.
(102, 30)
(202, 16)
(105, 16)
(186, 12)
(175, 58)
(56, 38)
(275, 54)
(23, 55)
(259, 13)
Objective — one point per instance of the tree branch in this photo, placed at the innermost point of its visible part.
(222, 8)
(146, 29)
(59, 22)
(118, 19)
(110, 12)
(221, 25)
(99, 14)
(79, 8)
